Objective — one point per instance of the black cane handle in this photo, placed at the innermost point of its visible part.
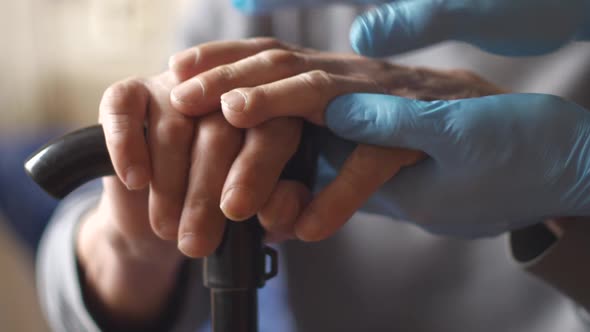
(67, 162)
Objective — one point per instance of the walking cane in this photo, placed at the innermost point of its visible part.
(237, 268)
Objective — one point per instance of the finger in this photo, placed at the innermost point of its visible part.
(407, 25)
(256, 170)
(202, 223)
(435, 127)
(198, 59)
(367, 168)
(201, 94)
(122, 113)
(280, 212)
(170, 137)
(129, 207)
(305, 95)
(386, 120)
(403, 26)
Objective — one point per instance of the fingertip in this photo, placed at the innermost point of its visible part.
(188, 97)
(136, 177)
(234, 101)
(178, 105)
(184, 63)
(398, 27)
(200, 230)
(164, 224)
(309, 228)
(166, 230)
(237, 204)
(284, 206)
(235, 107)
(195, 246)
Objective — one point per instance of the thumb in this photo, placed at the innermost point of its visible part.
(402, 26)
(391, 121)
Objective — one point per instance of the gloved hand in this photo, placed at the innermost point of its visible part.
(496, 163)
(266, 6)
(506, 27)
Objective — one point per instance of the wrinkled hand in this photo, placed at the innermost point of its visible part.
(171, 179)
(191, 166)
(507, 27)
(273, 80)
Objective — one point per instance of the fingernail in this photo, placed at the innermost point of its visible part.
(187, 243)
(166, 231)
(196, 246)
(184, 61)
(237, 204)
(234, 101)
(190, 92)
(136, 177)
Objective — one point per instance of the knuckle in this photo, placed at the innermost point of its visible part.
(267, 42)
(114, 110)
(282, 58)
(256, 97)
(120, 95)
(215, 130)
(196, 203)
(225, 72)
(316, 80)
(174, 131)
(116, 126)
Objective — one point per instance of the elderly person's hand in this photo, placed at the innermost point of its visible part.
(167, 193)
(276, 80)
(186, 162)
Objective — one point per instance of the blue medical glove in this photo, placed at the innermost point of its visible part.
(266, 6)
(496, 163)
(506, 27)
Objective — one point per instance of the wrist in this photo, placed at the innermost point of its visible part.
(113, 271)
(132, 242)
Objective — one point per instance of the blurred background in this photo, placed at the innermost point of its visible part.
(57, 57)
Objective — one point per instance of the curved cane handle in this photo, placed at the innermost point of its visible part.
(65, 163)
